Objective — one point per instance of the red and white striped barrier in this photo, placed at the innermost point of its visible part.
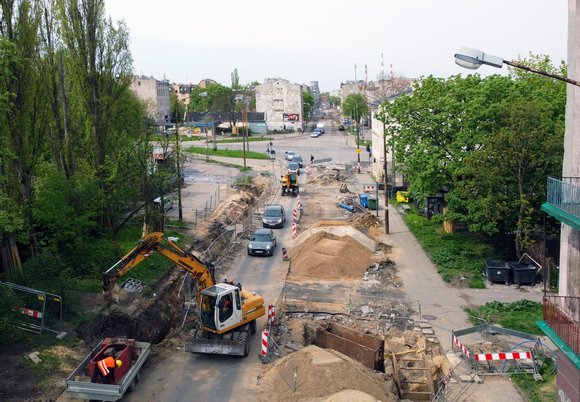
(456, 342)
(285, 256)
(264, 343)
(28, 312)
(294, 230)
(503, 356)
(295, 215)
(271, 314)
(298, 202)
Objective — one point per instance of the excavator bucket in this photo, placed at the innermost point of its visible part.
(216, 347)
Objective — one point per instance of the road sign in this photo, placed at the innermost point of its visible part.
(358, 150)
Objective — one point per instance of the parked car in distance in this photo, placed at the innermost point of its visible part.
(294, 167)
(298, 159)
(167, 203)
(262, 242)
(289, 155)
(315, 134)
(341, 127)
(274, 216)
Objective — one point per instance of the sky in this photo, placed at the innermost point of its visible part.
(186, 41)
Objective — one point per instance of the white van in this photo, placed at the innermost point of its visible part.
(167, 203)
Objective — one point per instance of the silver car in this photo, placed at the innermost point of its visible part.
(262, 242)
(274, 216)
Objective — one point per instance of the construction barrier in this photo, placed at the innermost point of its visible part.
(294, 230)
(503, 356)
(298, 202)
(271, 314)
(499, 363)
(28, 312)
(455, 341)
(285, 256)
(264, 343)
(295, 215)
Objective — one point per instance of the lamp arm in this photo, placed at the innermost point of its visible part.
(544, 73)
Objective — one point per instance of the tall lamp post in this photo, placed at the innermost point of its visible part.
(472, 59)
(178, 167)
(385, 168)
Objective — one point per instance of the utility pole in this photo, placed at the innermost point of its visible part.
(386, 185)
(178, 167)
(245, 118)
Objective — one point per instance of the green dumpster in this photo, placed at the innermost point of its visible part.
(372, 203)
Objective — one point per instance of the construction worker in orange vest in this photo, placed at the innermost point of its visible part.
(106, 369)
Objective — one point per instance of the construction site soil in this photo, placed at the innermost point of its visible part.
(340, 272)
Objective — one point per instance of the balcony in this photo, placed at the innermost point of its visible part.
(563, 200)
(562, 324)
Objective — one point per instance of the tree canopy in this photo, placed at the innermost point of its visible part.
(487, 144)
(355, 106)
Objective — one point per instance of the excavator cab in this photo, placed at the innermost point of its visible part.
(221, 307)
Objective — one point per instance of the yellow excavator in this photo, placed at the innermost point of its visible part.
(227, 313)
(290, 183)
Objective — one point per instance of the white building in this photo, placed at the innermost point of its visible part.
(281, 102)
(155, 94)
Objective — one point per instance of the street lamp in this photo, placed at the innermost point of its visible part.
(473, 59)
(204, 94)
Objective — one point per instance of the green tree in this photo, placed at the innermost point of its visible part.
(355, 106)
(24, 122)
(307, 104)
(334, 101)
(488, 144)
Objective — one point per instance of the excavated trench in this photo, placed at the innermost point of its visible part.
(151, 315)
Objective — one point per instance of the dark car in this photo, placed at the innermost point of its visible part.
(274, 216)
(262, 242)
(341, 128)
(294, 167)
(298, 159)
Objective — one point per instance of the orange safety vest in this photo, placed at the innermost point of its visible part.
(105, 364)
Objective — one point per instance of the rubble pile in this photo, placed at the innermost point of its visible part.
(383, 273)
(365, 221)
(324, 176)
(315, 374)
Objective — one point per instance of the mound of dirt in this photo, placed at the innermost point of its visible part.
(327, 177)
(315, 374)
(330, 257)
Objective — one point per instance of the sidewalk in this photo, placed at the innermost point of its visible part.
(442, 305)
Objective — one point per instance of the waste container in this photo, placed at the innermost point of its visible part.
(364, 200)
(497, 271)
(372, 201)
(522, 272)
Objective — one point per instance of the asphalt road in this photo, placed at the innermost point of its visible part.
(181, 376)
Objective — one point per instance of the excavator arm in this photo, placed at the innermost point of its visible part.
(157, 242)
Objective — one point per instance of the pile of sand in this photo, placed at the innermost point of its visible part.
(330, 257)
(319, 374)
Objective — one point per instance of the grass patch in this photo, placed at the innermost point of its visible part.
(240, 139)
(520, 315)
(243, 181)
(458, 254)
(234, 165)
(230, 153)
(538, 391)
(154, 267)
